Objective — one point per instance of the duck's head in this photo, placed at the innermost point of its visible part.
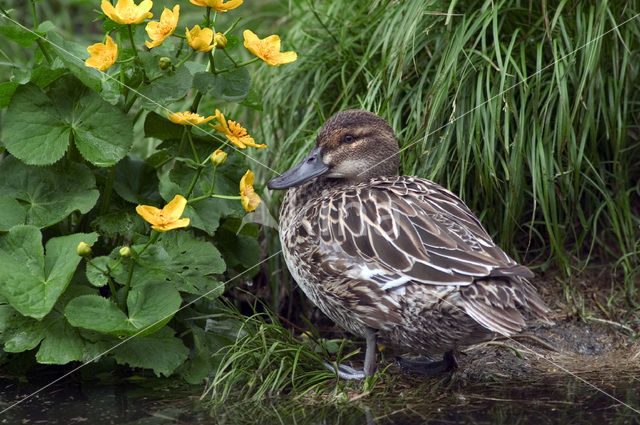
(352, 146)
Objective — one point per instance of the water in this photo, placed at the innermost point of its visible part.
(553, 400)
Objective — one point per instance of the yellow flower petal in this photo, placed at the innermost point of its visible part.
(158, 31)
(126, 12)
(200, 39)
(167, 218)
(103, 55)
(174, 209)
(188, 118)
(218, 5)
(268, 49)
(249, 198)
(234, 132)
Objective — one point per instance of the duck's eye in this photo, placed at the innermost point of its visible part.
(349, 138)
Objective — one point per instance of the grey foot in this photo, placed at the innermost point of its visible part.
(427, 365)
(346, 372)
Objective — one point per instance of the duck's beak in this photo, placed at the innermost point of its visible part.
(310, 167)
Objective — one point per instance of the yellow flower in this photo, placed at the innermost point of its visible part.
(103, 55)
(200, 40)
(158, 31)
(249, 198)
(217, 5)
(188, 118)
(126, 12)
(218, 158)
(234, 132)
(167, 218)
(220, 40)
(267, 49)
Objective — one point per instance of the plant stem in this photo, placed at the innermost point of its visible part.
(193, 147)
(230, 58)
(135, 52)
(237, 66)
(213, 181)
(34, 14)
(108, 189)
(200, 198)
(186, 58)
(192, 185)
(154, 237)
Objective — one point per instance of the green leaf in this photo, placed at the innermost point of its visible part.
(62, 344)
(172, 86)
(151, 266)
(206, 214)
(161, 128)
(72, 56)
(192, 261)
(48, 194)
(238, 249)
(6, 313)
(97, 313)
(6, 92)
(119, 223)
(162, 352)
(24, 334)
(178, 258)
(136, 182)
(31, 280)
(232, 86)
(42, 76)
(18, 34)
(35, 138)
(11, 213)
(94, 268)
(150, 307)
(101, 132)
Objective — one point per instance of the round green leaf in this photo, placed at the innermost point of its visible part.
(152, 305)
(39, 125)
(162, 352)
(136, 182)
(11, 213)
(94, 268)
(33, 129)
(46, 194)
(31, 280)
(97, 313)
(172, 86)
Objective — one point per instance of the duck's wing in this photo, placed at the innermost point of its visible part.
(407, 229)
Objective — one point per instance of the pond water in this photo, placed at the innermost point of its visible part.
(549, 401)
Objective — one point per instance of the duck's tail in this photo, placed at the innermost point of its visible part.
(498, 304)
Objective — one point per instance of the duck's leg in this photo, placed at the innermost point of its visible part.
(428, 366)
(347, 372)
(370, 355)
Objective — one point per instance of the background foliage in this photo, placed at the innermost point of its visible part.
(528, 110)
(79, 150)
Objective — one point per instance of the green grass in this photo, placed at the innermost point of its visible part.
(528, 110)
(266, 361)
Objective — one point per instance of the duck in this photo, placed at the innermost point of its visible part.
(395, 259)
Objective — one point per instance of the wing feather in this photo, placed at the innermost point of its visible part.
(409, 229)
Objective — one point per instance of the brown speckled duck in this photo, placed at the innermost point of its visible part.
(393, 257)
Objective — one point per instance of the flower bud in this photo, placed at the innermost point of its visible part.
(83, 249)
(218, 158)
(125, 251)
(220, 40)
(164, 62)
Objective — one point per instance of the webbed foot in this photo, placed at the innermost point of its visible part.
(346, 372)
(427, 365)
